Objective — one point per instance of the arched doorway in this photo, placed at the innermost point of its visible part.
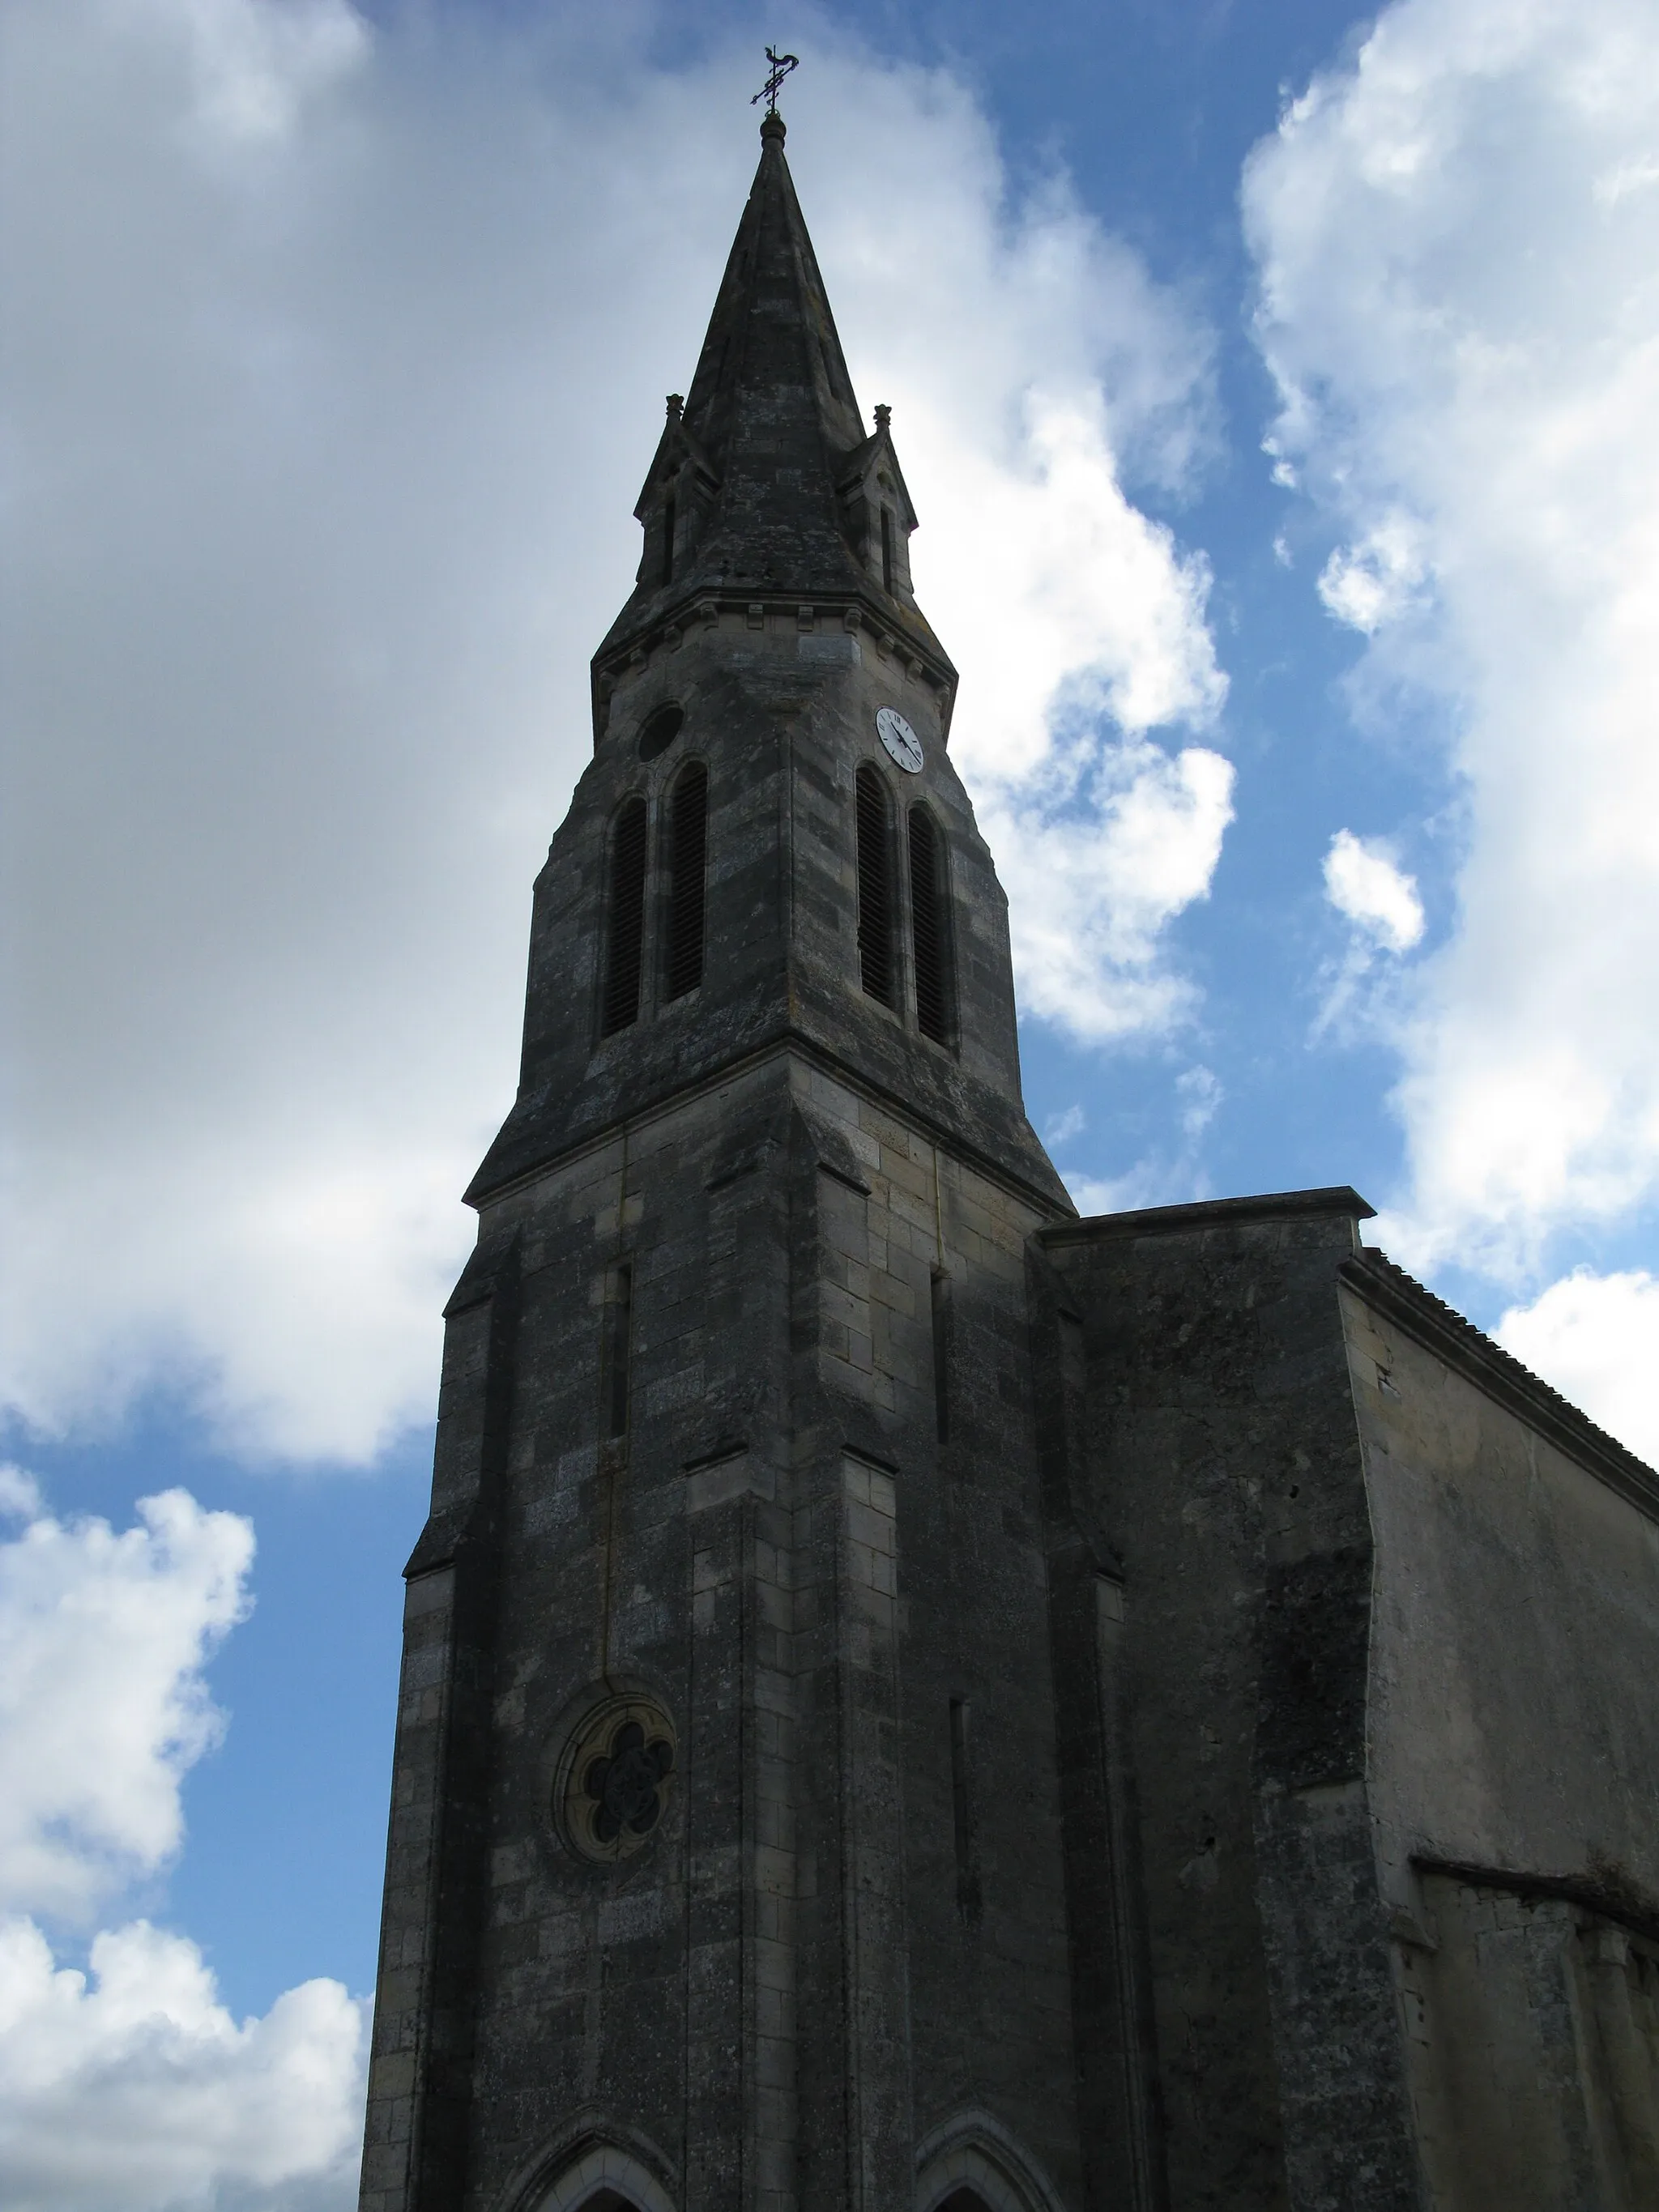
(973, 2164)
(604, 2177)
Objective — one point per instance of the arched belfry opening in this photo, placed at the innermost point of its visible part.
(624, 954)
(688, 852)
(873, 825)
(930, 928)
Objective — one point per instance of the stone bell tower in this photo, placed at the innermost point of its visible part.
(724, 1867)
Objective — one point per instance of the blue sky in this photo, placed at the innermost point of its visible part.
(1277, 390)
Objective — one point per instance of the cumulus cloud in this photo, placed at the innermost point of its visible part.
(1097, 856)
(130, 2088)
(1377, 580)
(1368, 886)
(1596, 1339)
(1081, 631)
(20, 1494)
(1379, 900)
(103, 1703)
(1457, 233)
(333, 356)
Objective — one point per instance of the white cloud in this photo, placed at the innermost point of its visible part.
(321, 439)
(103, 1705)
(131, 2089)
(1201, 1092)
(1596, 1339)
(1459, 261)
(1366, 884)
(1098, 855)
(1378, 580)
(20, 1494)
(1079, 629)
(1062, 1127)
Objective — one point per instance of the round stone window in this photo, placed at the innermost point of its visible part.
(660, 731)
(615, 1778)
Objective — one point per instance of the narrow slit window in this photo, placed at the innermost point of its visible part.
(614, 1350)
(625, 922)
(687, 848)
(887, 549)
(942, 1357)
(875, 868)
(962, 1806)
(668, 542)
(929, 927)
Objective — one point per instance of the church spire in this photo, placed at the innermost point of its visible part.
(770, 850)
(765, 482)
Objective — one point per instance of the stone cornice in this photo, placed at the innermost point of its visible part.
(890, 628)
(1210, 1213)
(1442, 1330)
(774, 1049)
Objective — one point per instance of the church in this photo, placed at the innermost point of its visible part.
(913, 1701)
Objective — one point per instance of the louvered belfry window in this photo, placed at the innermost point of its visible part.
(688, 848)
(875, 886)
(625, 921)
(929, 927)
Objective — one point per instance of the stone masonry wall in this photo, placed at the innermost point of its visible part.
(848, 1930)
(1213, 1472)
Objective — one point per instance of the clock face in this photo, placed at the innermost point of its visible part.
(900, 739)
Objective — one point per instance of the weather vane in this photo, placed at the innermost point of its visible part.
(781, 65)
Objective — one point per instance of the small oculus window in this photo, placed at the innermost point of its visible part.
(660, 730)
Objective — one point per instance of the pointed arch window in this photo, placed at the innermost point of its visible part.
(688, 855)
(930, 927)
(624, 920)
(875, 871)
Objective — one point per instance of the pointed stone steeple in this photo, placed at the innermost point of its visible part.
(765, 483)
(771, 636)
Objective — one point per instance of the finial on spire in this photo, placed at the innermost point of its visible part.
(884, 416)
(781, 66)
(675, 401)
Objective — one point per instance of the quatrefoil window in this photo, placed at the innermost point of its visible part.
(616, 1777)
(626, 1786)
